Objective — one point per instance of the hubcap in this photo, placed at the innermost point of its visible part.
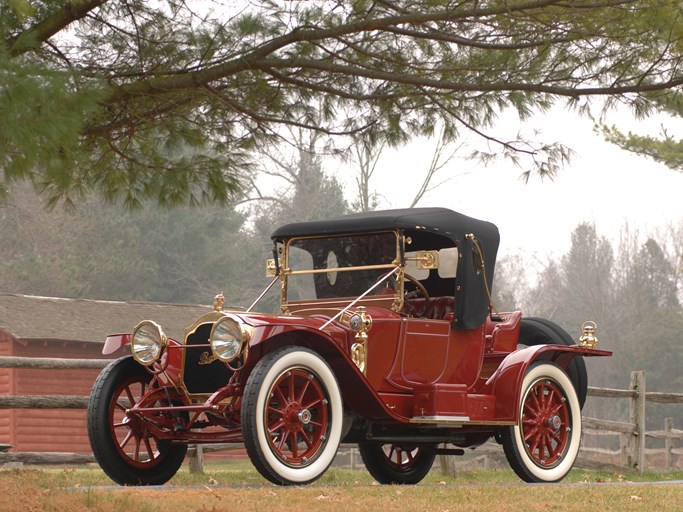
(305, 417)
(555, 422)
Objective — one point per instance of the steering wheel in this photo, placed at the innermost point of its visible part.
(419, 290)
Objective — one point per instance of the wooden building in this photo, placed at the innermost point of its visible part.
(72, 329)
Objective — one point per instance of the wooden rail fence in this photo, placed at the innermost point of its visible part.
(632, 433)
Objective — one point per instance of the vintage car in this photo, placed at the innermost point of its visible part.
(385, 338)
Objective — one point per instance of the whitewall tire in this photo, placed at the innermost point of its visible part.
(292, 415)
(544, 445)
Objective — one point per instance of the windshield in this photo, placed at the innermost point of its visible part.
(340, 266)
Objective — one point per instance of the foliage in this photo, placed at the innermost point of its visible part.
(632, 293)
(169, 101)
(105, 252)
(666, 149)
(184, 255)
(578, 287)
(655, 346)
(650, 285)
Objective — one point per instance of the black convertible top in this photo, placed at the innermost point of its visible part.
(472, 301)
(436, 220)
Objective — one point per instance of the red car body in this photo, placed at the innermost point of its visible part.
(404, 376)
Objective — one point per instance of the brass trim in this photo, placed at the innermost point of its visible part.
(425, 260)
(359, 350)
(207, 358)
(339, 269)
(338, 303)
(207, 318)
(219, 302)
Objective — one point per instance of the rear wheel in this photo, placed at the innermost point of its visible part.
(539, 331)
(122, 444)
(397, 463)
(292, 416)
(544, 444)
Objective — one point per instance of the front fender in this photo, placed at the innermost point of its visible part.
(506, 381)
(115, 342)
(357, 392)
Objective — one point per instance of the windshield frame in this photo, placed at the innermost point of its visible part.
(393, 301)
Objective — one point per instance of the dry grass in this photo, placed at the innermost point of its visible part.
(238, 488)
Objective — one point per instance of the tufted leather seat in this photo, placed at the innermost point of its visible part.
(436, 309)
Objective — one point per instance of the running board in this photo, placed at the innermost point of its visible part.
(457, 421)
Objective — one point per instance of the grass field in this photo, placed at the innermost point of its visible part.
(236, 486)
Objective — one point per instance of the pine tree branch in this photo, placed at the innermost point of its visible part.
(245, 62)
(37, 34)
(266, 58)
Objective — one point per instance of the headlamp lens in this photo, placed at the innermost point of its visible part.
(148, 342)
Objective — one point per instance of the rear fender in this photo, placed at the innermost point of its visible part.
(506, 381)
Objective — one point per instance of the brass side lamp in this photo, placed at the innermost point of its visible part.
(589, 339)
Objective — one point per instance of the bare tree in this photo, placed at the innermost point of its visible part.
(366, 156)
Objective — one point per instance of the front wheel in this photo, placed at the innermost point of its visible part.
(122, 444)
(397, 463)
(544, 444)
(292, 416)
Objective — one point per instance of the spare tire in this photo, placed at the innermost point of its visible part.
(539, 331)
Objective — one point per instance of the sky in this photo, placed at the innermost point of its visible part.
(602, 184)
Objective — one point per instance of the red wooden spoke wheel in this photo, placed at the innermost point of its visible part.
(132, 438)
(297, 417)
(122, 443)
(399, 457)
(545, 423)
(397, 463)
(543, 446)
(292, 416)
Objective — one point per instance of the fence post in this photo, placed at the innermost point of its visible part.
(444, 463)
(197, 460)
(624, 442)
(668, 443)
(637, 416)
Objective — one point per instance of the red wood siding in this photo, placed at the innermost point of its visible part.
(6, 388)
(5, 414)
(51, 430)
